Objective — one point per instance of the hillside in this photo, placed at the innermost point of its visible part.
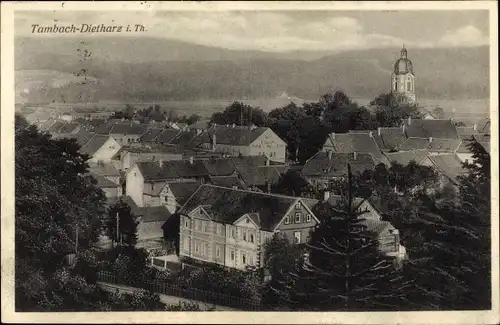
(172, 70)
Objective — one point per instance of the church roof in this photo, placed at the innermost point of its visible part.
(403, 65)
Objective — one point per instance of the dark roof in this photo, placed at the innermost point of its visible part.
(183, 190)
(200, 125)
(404, 157)
(184, 138)
(254, 161)
(419, 128)
(354, 142)
(56, 127)
(466, 132)
(389, 138)
(324, 164)
(94, 144)
(104, 128)
(104, 169)
(436, 145)
(227, 181)
(129, 128)
(227, 205)
(150, 134)
(172, 169)
(449, 165)
(377, 226)
(128, 200)
(83, 136)
(229, 135)
(68, 128)
(103, 182)
(261, 176)
(219, 166)
(484, 140)
(154, 214)
(166, 136)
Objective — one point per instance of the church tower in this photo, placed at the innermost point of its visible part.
(403, 79)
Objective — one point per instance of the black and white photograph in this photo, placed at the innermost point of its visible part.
(238, 157)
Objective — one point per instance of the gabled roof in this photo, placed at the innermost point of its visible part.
(104, 128)
(54, 128)
(154, 214)
(404, 157)
(172, 169)
(324, 164)
(219, 166)
(354, 142)
(229, 135)
(227, 181)
(262, 175)
(436, 145)
(200, 125)
(227, 205)
(449, 165)
(103, 182)
(150, 134)
(166, 136)
(389, 138)
(184, 138)
(132, 128)
(183, 190)
(69, 128)
(466, 132)
(104, 169)
(94, 144)
(420, 128)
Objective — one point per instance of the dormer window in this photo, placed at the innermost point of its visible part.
(297, 205)
(308, 218)
(297, 217)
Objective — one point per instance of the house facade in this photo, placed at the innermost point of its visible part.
(101, 148)
(243, 140)
(228, 226)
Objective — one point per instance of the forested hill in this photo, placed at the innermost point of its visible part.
(163, 69)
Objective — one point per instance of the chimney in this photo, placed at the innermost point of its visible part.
(404, 129)
(160, 162)
(370, 134)
(191, 160)
(475, 127)
(234, 125)
(330, 155)
(267, 161)
(355, 155)
(409, 120)
(326, 196)
(430, 139)
(379, 131)
(214, 142)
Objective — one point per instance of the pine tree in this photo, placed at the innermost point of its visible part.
(121, 214)
(345, 268)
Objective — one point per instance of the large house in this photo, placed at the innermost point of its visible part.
(100, 148)
(243, 140)
(350, 143)
(124, 133)
(130, 155)
(228, 226)
(326, 166)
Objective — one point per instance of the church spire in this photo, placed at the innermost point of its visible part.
(403, 52)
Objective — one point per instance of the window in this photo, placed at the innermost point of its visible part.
(243, 258)
(232, 255)
(297, 217)
(252, 238)
(308, 218)
(233, 232)
(287, 220)
(219, 229)
(196, 224)
(296, 236)
(204, 249)
(244, 235)
(186, 243)
(408, 86)
(297, 205)
(186, 222)
(217, 251)
(251, 260)
(205, 226)
(196, 248)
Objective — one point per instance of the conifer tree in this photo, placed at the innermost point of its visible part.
(345, 269)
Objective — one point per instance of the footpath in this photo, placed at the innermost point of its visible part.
(169, 300)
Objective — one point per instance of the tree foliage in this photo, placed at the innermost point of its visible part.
(240, 114)
(120, 214)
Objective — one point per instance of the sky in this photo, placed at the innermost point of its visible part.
(280, 31)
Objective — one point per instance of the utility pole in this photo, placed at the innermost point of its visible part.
(76, 241)
(117, 228)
